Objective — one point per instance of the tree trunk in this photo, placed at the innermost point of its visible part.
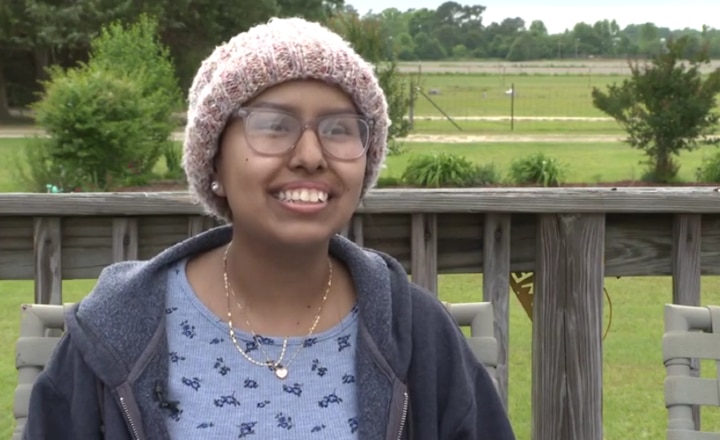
(4, 104)
(41, 57)
(665, 169)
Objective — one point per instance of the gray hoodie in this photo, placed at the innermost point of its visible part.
(417, 378)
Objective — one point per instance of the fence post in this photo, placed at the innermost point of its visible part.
(567, 327)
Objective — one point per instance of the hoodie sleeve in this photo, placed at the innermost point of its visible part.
(456, 390)
(49, 413)
(486, 417)
(64, 399)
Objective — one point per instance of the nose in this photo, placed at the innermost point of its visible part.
(308, 152)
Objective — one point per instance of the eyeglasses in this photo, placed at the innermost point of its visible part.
(274, 132)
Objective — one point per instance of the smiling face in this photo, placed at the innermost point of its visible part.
(294, 195)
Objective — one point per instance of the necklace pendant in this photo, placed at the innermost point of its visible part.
(280, 372)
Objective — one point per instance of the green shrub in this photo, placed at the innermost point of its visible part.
(135, 52)
(173, 162)
(100, 132)
(537, 169)
(109, 120)
(709, 169)
(486, 175)
(388, 182)
(447, 170)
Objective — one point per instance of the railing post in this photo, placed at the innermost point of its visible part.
(125, 239)
(496, 288)
(687, 232)
(358, 230)
(47, 238)
(423, 251)
(567, 327)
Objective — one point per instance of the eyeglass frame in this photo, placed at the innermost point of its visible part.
(313, 124)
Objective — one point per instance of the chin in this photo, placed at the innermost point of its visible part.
(303, 236)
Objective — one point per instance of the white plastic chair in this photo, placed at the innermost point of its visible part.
(479, 316)
(690, 333)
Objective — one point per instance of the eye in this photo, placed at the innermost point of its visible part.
(272, 122)
(340, 126)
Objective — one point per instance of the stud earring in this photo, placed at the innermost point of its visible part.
(215, 186)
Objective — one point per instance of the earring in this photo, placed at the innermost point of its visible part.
(215, 186)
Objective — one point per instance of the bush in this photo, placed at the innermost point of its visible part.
(709, 169)
(486, 175)
(537, 169)
(173, 162)
(109, 120)
(388, 182)
(100, 132)
(447, 170)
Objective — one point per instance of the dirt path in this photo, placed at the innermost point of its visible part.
(510, 138)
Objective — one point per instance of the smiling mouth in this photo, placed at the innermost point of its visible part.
(302, 195)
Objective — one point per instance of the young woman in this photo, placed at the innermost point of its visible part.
(273, 326)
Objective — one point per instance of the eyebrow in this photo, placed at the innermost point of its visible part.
(295, 110)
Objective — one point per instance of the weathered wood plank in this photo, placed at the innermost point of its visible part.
(125, 239)
(567, 333)
(636, 245)
(496, 288)
(158, 233)
(48, 260)
(196, 225)
(424, 251)
(358, 230)
(405, 201)
(686, 251)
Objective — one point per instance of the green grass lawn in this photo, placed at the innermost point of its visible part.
(585, 163)
(535, 95)
(445, 126)
(9, 149)
(633, 368)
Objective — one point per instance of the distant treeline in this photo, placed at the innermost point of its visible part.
(456, 31)
(37, 34)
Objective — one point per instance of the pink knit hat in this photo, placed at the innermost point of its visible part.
(253, 61)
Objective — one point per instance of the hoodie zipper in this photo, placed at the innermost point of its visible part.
(133, 428)
(403, 418)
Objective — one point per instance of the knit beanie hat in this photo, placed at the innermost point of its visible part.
(281, 50)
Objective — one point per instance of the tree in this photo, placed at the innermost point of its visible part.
(666, 106)
(108, 120)
(367, 38)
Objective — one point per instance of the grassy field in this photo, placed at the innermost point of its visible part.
(462, 95)
(441, 125)
(9, 149)
(584, 162)
(633, 369)
(535, 95)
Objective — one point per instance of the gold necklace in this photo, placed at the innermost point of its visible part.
(281, 371)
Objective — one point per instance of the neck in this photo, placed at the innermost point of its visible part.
(267, 277)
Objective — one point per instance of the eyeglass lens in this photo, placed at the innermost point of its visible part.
(274, 132)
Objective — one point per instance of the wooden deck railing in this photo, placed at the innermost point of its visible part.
(569, 238)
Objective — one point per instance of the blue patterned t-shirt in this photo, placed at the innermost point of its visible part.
(222, 395)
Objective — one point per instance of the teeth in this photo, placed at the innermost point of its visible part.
(303, 195)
